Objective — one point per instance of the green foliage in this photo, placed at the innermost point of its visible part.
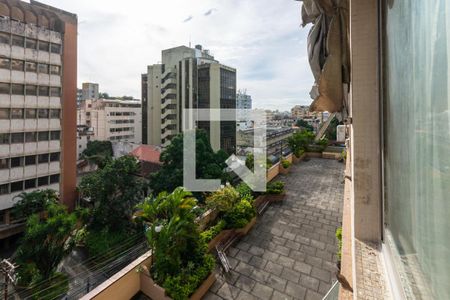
(100, 242)
(213, 231)
(323, 142)
(285, 163)
(244, 190)
(249, 161)
(302, 123)
(240, 214)
(98, 152)
(33, 202)
(339, 238)
(223, 199)
(275, 188)
(45, 243)
(209, 165)
(114, 191)
(54, 288)
(300, 140)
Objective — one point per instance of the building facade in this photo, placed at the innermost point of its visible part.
(187, 78)
(89, 90)
(243, 105)
(38, 70)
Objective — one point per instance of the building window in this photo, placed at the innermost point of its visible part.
(43, 113)
(54, 156)
(54, 178)
(4, 139)
(16, 162)
(31, 43)
(55, 48)
(17, 89)
(5, 63)
(4, 189)
(17, 65)
(55, 113)
(30, 160)
(18, 41)
(31, 90)
(43, 136)
(5, 88)
(30, 66)
(4, 163)
(17, 138)
(43, 91)
(43, 68)
(55, 70)
(55, 92)
(44, 46)
(16, 113)
(43, 158)
(30, 137)
(55, 135)
(4, 113)
(16, 186)
(43, 181)
(30, 113)
(30, 183)
(5, 38)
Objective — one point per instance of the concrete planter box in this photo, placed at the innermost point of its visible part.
(207, 217)
(204, 287)
(223, 235)
(259, 200)
(276, 197)
(314, 154)
(246, 228)
(284, 170)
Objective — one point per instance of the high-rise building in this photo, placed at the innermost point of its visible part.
(89, 90)
(38, 92)
(243, 105)
(187, 78)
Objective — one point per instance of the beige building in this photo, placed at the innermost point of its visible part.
(89, 90)
(112, 120)
(187, 78)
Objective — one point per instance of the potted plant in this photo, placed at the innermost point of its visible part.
(339, 253)
(285, 166)
(275, 191)
(242, 216)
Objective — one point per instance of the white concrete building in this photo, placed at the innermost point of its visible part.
(243, 105)
(112, 120)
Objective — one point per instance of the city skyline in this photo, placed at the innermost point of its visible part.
(262, 39)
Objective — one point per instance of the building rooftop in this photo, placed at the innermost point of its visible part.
(147, 153)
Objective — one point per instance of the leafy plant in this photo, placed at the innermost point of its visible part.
(339, 238)
(99, 243)
(285, 163)
(33, 202)
(98, 152)
(213, 231)
(300, 140)
(302, 123)
(249, 161)
(223, 199)
(244, 190)
(240, 214)
(275, 187)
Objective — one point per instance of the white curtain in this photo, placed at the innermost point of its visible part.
(417, 143)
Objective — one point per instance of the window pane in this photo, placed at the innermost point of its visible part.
(4, 113)
(43, 136)
(31, 43)
(43, 68)
(30, 160)
(4, 189)
(55, 92)
(54, 156)
(4, 163)
(5, 38)
(16, 186)
(16, 113)
(43, 181)
(30, 137)
(17, 137)
(4, 88)
(54, 178)
(17, 89)
(55, 48)
(17, 65)
(43, 158)
(18, 40)
(55, 135)
(4, 138)
(55, 70)
(43, 113)
(30, 113)
(30, 66)
(31, 90)
(16, 162)
(30, 183)
(43, 91)
(54, 113)
(44, 46)
(5, 63)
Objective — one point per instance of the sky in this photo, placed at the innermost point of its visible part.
(262, 39)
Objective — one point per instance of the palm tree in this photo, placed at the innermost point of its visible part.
(34, 202)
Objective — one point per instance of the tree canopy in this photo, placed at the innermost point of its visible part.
(302, 123)
(98, 152)
(33, 202)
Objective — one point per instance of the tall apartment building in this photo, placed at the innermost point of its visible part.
(112, 120)
(89, 91)
(187, 78)
(38, 76)
(243, 104)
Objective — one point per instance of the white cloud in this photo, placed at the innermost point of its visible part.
(262, 39)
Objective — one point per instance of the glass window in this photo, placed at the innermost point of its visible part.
(5, 88)
(43, 113)
(4, 189)
(30, 137)
(43, 158)
(4, 138)
(31, 43)
(17, 89)
(30, 183)
(5, 38)
(17, 65)
(55, 70)
(16, 162)
(5, 63)
(43, 181)
(30, 160)
(16, 113)
(4, 163)
(54, 178)
(43, 136)
(55, 92)
(30, 66)
(55, 135)
(55, 48)
(31, 90)
(17, 137)
(18, 40)
(44, 46)
(16, 186)
(4, 113)
(43, 91)
(55, 113)
(54, 156)
(43, 68)
(30, 113)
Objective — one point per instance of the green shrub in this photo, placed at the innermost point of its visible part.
(99, 243)
(285, 163)
(244, 190)
(80, 236)
(275, 187)
(212, 232)
(240, 214)
(223, 199)
(55, 288)
(339, 238)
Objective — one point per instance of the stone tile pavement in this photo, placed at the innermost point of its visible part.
(291, 251)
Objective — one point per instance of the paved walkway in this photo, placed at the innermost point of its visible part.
(291, 251)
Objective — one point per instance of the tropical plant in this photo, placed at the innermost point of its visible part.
(33, 202)
(300, 140)
(213, 231)
(98, 152)
(240, 214)
(285, 163)
(249, 161)
(275, 188)
(223, 199)
(302, 123)
(244, 190)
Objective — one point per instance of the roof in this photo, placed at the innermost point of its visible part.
(147, 153)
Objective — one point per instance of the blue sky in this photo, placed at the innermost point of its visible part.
(262, 39)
